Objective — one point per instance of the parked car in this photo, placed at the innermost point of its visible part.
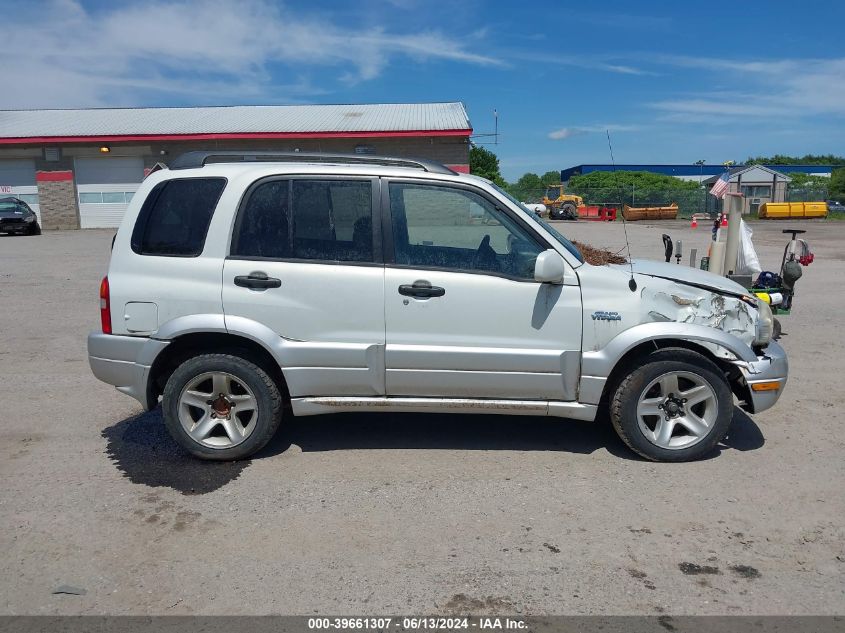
(17, 218)
(243, 287)
(833, 205)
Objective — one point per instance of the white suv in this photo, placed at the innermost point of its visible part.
(242, 287)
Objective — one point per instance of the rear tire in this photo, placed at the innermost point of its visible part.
(674, 407)
(221, 407)
(569, 211)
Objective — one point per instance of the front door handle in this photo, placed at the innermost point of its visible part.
(257, 281)
(421, 289)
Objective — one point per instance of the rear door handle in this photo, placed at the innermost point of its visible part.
(421, 289)
(257, 281)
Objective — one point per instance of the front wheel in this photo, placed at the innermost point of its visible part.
(221, 406)
(675, 407)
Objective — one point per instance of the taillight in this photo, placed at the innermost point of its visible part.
(105, 306)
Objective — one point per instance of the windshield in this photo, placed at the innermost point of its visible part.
(9, 207)
(555, 233)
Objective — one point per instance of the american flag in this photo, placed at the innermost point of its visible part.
(721, 187)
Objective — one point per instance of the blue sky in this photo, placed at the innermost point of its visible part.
(672, 81)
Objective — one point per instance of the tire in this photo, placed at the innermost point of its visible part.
(569, 211)
(776, 329)
(555, 213)
(35, 229)
(692, 431)
(211, 426)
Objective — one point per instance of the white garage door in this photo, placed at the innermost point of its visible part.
(17, 178)
(105, 187)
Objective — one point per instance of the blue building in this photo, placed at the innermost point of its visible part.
(697, 173)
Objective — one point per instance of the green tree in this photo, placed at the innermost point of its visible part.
(550, 178)
(808, 159)
(637, 188)
(484, 163)
(807, 187)
(529, 188)
(836, 187)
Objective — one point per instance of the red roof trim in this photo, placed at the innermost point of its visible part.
(53, 176)
(119, 138)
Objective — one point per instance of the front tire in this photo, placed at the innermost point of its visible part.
(221, 407)
(674, 407)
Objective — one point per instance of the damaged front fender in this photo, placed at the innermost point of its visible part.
(601, 362)
(694, 306)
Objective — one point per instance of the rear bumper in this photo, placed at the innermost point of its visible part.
(124, 361)
(769, 370)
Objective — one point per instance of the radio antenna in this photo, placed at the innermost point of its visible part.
(632, 283)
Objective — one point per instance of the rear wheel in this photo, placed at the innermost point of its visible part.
(674, 407)
(221, 406)
(569, 211)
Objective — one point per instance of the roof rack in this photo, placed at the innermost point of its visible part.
(194, 159)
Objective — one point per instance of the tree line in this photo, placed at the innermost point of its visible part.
(646, 188)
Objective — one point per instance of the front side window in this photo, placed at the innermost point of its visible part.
(319, 220)
(175, 216)
(443, 227)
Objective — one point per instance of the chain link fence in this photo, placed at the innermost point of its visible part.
(689, 200)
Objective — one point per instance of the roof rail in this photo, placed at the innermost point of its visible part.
(194, 159)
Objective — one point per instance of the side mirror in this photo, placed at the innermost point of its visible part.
(549, 267)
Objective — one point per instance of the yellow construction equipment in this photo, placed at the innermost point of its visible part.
(775, 210)
(561, 205)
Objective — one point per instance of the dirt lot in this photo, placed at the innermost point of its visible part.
(393, 514)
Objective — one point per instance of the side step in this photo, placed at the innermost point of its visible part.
(327, 404)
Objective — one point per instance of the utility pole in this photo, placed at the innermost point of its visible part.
(700, 164)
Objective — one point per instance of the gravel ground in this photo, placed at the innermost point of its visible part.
(395, 514)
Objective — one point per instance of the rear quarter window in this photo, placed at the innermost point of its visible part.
(175, 216)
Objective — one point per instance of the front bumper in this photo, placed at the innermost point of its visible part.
(768, 373)
(124, 361)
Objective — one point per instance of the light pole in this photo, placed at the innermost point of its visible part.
(700, 164)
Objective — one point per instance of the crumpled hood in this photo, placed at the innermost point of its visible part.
(686, 275)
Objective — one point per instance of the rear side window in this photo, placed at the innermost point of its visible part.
(318, 220)
(175, 217)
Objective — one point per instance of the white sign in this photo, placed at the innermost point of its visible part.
(5, 188)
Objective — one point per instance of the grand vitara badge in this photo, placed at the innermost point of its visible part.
(602, 315)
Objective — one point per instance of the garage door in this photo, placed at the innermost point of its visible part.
(105, 187)
(17, 178)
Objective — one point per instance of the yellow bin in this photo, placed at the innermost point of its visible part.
(775, 210)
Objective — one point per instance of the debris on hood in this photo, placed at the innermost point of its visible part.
(599, 256)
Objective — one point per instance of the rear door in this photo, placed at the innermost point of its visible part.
(305, 261)
(464, 316)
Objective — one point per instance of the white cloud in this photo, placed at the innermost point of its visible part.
(568, 132)
(771, 89)
(591, 62)
(198, 50)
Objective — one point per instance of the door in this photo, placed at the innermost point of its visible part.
(17, 178)
(106, 186)
(306, 263)
(464, 316)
